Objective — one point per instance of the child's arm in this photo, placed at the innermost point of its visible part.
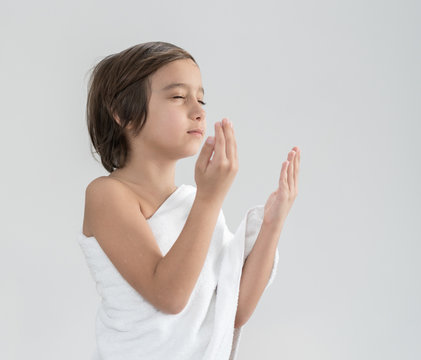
(256, 271)
(258, 265)
(126, 238)
(177, 272)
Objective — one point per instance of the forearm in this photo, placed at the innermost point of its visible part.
(178, 271)
(256, 271)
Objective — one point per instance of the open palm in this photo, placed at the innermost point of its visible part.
(280, 201)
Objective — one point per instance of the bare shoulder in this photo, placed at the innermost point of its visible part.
(102, 194)
(113, 217)
(100, 187)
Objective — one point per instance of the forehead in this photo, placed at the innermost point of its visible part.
(182, 73)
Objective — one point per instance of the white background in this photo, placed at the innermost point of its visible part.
(341, 80)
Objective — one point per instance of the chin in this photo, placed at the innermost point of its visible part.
(193, 150)
(186, 151)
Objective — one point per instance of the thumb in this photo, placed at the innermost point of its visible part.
(206, 152)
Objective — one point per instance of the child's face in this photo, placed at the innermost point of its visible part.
(170, 116)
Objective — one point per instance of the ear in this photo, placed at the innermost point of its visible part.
(117, 119)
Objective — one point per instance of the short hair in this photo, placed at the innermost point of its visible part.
(120, 86)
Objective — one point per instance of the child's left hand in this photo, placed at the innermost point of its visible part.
(279, 202)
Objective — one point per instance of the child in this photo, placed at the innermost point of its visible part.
(166, 266)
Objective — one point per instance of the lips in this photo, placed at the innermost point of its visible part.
(199, 131)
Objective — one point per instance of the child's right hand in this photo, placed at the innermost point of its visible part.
(214, 176)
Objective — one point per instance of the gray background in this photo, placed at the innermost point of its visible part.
(341, 80)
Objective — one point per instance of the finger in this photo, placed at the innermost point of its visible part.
(297, 167)
(283, 182)
(234, 142)
(220, 153)
(291, 170)
(206, 153)
(228, 140)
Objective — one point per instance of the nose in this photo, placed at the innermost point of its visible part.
(199, 113)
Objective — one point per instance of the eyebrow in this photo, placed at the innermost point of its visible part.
(174, 85)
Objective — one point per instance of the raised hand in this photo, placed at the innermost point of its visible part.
(215, 176)
(280, 201)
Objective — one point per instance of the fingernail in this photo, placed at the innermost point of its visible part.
(210, 140)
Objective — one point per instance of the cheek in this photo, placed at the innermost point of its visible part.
(168, 124)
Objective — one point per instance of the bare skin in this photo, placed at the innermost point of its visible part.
(112, 202)
(150, 170)
(258, 265)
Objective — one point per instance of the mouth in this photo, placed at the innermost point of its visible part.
(196, 132)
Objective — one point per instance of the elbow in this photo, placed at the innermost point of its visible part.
(238, 324)
(178, 309)
(171, 305)
(167, 298)
(239, 321)
(169, 308)
(178, 304)
(175, 307)
(241, 317)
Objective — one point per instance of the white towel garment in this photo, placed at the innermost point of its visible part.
(130, 328)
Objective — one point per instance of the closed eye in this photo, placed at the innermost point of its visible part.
(182, 97)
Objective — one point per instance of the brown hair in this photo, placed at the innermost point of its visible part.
(120, 85)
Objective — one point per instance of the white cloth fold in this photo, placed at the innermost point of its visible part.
(130, 328)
